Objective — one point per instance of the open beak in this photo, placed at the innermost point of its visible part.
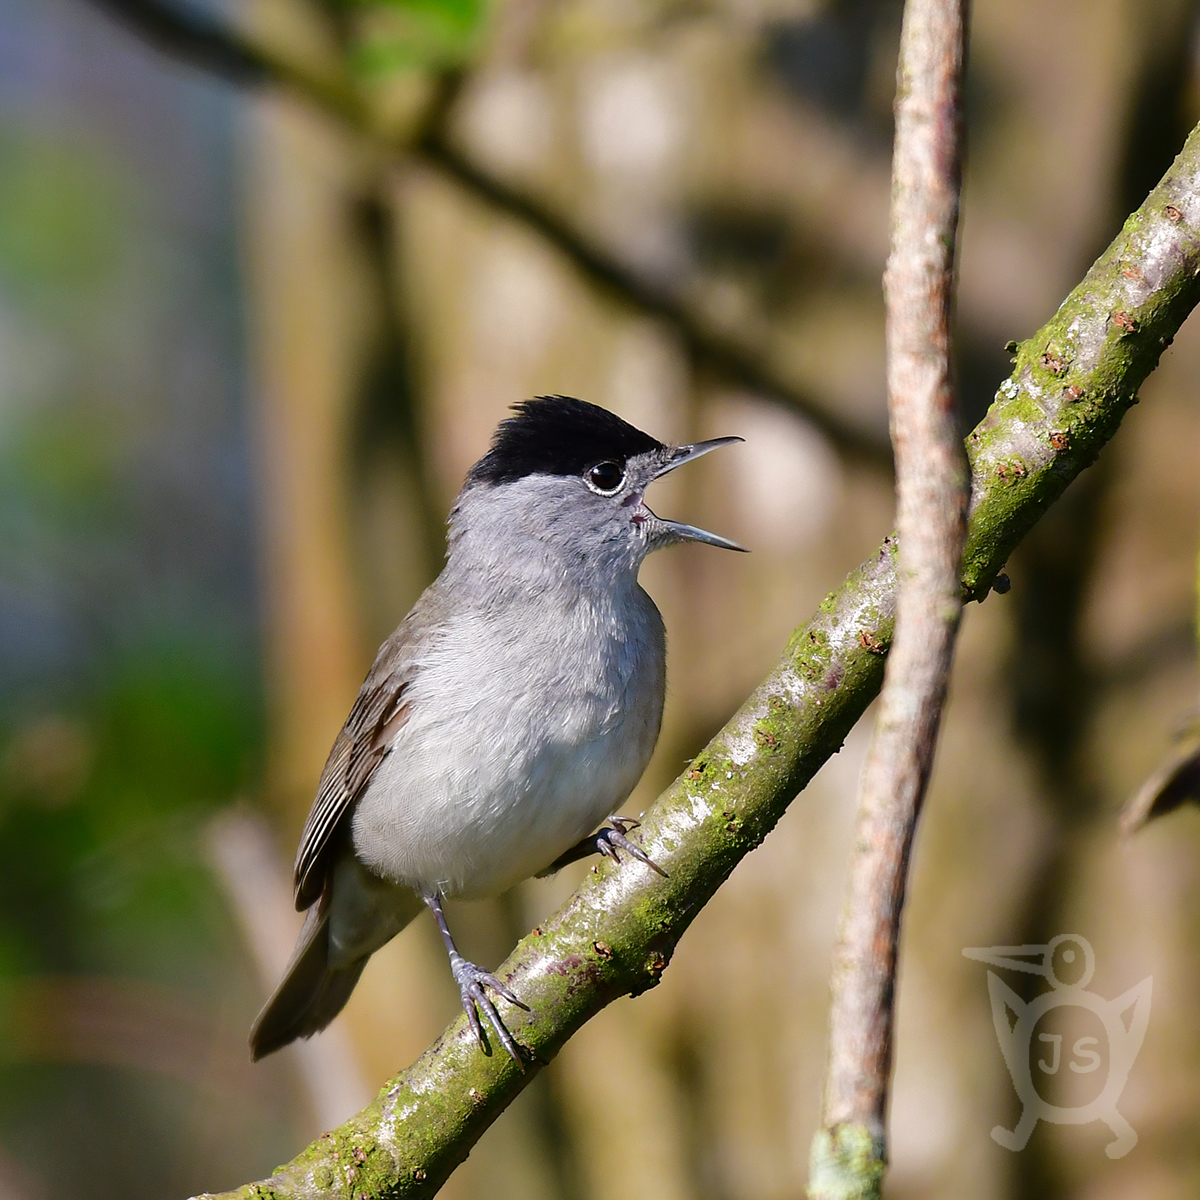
(689, 533)
(687, 454)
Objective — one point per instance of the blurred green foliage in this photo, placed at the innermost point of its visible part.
(63, 224)
(130, 707)
(106, 770)
(403, 35)
(99, 814)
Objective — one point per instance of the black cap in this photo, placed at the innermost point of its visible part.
(558, 435)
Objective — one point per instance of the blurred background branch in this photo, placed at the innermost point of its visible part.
(244, 61)
(188, 33)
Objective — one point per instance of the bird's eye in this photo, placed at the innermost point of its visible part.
(605, 478)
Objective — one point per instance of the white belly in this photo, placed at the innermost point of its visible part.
(516, 746)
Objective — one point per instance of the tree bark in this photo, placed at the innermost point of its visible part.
(849, 1151)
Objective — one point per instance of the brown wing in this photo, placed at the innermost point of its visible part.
(378, 713)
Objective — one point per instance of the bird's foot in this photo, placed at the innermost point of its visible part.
(608, 842)
(471, 981)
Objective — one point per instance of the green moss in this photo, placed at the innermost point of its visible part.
(846, 1164)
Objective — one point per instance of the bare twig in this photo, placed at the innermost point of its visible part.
(931, 490)
(246, 62)
(1071, 385)
(1174, 781)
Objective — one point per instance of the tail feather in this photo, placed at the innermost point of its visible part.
(311, 994)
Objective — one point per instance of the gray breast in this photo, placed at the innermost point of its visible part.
(529, 722)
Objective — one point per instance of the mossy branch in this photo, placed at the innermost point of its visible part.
(1071, 384)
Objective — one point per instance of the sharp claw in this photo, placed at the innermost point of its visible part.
(616, 837)
(468, 1002)
(607, 843)
(506, 1039)
(501, 990)
(643, 857)
(471, 982)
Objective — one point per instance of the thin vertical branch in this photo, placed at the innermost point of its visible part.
(931, 490)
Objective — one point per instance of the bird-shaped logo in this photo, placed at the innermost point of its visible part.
(1015, 1021)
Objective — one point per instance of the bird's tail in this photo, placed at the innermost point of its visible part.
(312, 992)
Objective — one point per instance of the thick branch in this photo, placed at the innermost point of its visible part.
(242, 61)
(849, 1152)
(1071, 384)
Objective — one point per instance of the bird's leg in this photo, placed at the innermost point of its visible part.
(607, 842)
(471, 981)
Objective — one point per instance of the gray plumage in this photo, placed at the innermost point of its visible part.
(512, 711)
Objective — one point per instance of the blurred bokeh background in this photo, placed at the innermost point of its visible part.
(251, 337)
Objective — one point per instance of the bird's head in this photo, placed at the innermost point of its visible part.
(573, 476)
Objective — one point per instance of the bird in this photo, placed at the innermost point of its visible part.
(509, 715)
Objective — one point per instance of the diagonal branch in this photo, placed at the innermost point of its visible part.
(247, 63)
(849, 1151)
(205, 42)
(193, 36)
(1071, 384)
(707, 345)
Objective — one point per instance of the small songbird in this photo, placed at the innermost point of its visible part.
(513, 710)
